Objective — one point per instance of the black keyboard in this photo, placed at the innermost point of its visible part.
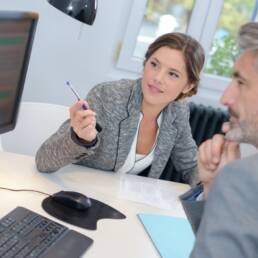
(24, 233)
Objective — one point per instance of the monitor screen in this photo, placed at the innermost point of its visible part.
(16, 36)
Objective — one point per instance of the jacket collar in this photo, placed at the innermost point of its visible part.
(135, 99)
(128, 127)
(165, 142)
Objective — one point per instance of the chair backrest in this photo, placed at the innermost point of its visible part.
(36, 122)
(205, 121)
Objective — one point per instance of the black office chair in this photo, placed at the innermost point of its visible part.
(206, 121)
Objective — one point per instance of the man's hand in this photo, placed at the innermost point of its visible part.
(83, 122)
(214, 154)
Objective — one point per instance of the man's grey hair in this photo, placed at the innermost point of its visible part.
(248, 39)
(248, 36)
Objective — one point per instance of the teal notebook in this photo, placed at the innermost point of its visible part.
(173, 237)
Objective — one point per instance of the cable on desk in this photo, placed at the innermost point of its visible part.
(24, 190)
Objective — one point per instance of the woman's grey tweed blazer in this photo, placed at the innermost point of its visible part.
(117, 105)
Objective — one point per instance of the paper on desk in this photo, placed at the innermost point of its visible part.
(149, 191)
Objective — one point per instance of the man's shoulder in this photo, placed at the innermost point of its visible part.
(241, 173)
(247, 164)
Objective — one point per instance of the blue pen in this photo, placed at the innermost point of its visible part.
(84, 107)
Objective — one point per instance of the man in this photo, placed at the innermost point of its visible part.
(229, 226)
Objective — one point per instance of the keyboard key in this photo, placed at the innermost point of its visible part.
(24, 233)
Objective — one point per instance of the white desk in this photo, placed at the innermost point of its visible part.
(113, 238)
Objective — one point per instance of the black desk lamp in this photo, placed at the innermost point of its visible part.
(82, 10)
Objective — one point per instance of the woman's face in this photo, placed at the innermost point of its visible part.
(164, 77)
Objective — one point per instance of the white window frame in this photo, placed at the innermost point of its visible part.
(202, 26)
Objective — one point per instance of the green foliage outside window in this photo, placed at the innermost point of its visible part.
(224, 49)
(222, 56)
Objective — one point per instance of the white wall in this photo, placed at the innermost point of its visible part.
(64, 49)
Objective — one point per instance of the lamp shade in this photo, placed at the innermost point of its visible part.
(82, 10)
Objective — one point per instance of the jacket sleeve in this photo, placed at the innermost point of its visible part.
(193, 209)
(63, 147)
(230, 220)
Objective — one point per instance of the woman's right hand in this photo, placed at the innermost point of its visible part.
(83, 121)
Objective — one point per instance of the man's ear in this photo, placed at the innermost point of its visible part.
(188, 88)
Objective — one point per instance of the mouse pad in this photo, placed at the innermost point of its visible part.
(86, 219)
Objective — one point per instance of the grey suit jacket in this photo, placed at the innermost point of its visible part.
(229, 226)
(117, 105)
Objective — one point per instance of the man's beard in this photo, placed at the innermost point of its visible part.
(243, 132)
(235, 134)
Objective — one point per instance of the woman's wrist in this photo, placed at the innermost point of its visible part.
(82, 142)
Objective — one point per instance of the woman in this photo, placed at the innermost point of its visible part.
(135, 125)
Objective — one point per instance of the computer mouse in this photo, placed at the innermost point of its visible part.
(73, 200)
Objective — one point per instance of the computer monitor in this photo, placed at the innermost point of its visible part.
(16, 36)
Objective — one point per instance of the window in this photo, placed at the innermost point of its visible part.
(160, 17)
(214, 23)
(224, 49)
